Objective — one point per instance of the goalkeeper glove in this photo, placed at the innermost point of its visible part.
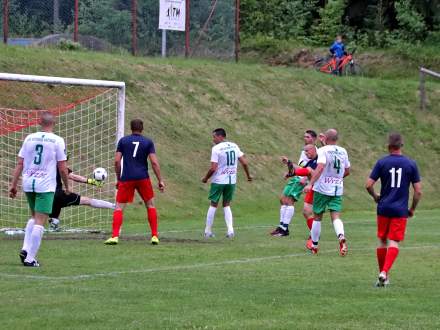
(95, 182)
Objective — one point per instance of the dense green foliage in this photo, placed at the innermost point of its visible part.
(368, 23)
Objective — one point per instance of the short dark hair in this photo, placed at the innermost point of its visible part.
(219, 132)
(395, 141)
(137, 125)
(312, 133)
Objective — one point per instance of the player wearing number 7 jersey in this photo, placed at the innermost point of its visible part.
(396, 173)
(223, 173)
(131, 168)
(328, 184)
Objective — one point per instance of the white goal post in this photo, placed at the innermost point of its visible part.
(91, 126)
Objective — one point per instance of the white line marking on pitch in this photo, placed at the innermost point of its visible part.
(187, 267)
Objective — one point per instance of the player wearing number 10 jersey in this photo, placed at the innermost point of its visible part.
(396, 173)
(223, 173)
(131, 167)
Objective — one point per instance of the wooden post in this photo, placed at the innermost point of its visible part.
(75, 18)
(134, 47)
(56, 16)
(237, 30)
(422, 91)
(187, 27)
(5, 21)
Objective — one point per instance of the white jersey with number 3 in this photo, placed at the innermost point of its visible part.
(40, 152)
(335, 160)
(226, 155)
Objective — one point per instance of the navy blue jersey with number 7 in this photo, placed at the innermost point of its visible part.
(135, 149)
(396, 173)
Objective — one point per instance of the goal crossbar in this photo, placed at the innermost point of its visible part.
(120, 85)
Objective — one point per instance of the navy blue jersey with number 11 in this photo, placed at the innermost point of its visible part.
(135, 149)
(396, 173)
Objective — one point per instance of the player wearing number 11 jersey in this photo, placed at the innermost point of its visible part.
(131, 167)
(396, 173)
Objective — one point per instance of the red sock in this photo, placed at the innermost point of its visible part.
(390, 258)
(152, 220)
(381, 253)
(310, 223)
(117, 222)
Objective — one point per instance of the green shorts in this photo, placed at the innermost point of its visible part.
(219, 190)
(321, 202)
(40, 202)
(293, 188)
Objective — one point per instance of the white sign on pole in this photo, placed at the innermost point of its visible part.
(172, 15)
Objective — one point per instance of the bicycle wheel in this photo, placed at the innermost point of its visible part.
(319, 64)
(353, 69)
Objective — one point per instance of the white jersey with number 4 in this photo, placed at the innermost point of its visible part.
(226, 155)
(335, 160)
(41, 151)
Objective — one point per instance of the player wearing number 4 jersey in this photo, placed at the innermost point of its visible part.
(131, 167)
(328, 184)
(39, 157)
(224, 158)
(396, 173)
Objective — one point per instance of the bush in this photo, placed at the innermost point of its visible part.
(65, 44)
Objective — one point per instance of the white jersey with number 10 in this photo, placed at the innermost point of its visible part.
(335, 160)
(226, 155)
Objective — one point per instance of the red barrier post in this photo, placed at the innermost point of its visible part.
(5, 21)
(134, 48)
(187, 26)
(237, 30)
(75, 28)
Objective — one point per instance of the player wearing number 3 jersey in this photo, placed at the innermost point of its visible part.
(223, 173)
(131, 167)
(328, 185)
(396, 173)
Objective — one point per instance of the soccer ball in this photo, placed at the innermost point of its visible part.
(100, 174)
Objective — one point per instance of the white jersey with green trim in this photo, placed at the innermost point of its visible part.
(335, 160)
(226, 155)
(40, 152)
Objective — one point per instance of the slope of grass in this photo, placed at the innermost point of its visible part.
(264, 109)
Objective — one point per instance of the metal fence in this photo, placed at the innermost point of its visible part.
(132, 25)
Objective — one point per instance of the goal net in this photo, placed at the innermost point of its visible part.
(90, 118)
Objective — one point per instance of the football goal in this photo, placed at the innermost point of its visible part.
(90, 118)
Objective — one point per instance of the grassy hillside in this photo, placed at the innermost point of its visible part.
(264, 109)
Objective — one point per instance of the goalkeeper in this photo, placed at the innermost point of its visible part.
(61, 199)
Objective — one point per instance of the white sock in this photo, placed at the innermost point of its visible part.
(37, 234)
(282, 212)
(288, 214)
(316, 230)
(339, 227)
(210, 219)
(27, 234)
(101, 204)
(228, 219)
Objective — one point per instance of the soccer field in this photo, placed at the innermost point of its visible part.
(253, 282)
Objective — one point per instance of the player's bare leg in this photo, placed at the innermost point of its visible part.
(35, 239)
(308, 215)
(152, 220)
(315, 233)
(118, 217)
(228, 219)
(210, 219)
(339, 230)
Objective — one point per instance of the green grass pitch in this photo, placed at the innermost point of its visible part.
(252, 282)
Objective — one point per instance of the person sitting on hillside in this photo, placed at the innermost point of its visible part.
(337, 49)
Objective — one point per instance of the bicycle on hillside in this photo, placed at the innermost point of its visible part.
(345, 66)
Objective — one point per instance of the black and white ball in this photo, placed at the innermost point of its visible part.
(100, 174)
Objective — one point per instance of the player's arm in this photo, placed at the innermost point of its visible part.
(370, 188)
(346, 171)
(83, 179)
(15, 177)
(118, 159)
(417, 186)
(156, 169)
(64, 173)
(243, 161)
(315, 176)
(211, 171)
